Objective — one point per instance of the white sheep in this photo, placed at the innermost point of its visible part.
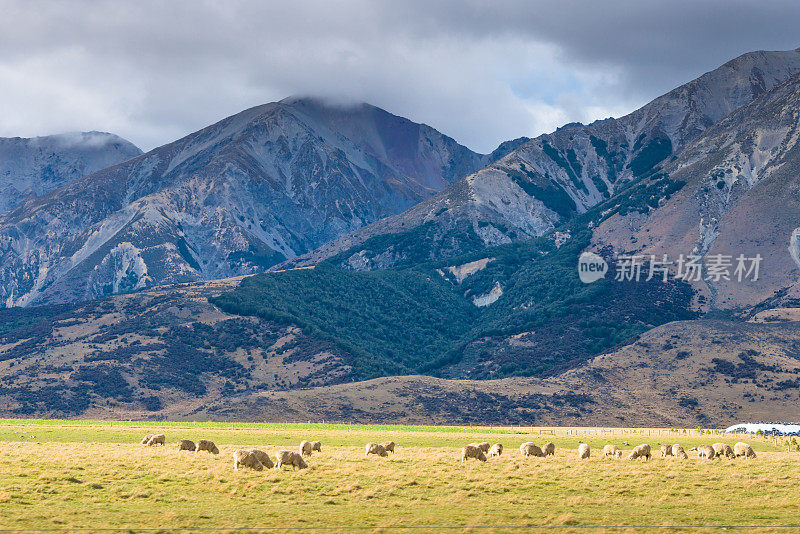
(496, 450)
(612, 450)
(206, 445)
(678, 452)
(262, 457)
(723, 449)
(584, 451)
(640, 451)
(531, 449)
(157, 439)
(471, 451)
(292, 458)
(484, 446)
(246, 459)
(706, 451)
(743, 449)
(374, 448)
(186, 445)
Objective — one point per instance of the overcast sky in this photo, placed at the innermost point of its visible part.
(481, 72)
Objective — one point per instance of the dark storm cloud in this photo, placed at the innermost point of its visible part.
(479, 71)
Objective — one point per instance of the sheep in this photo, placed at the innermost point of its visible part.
(146, 439)
(471, 451)
(723, 449)
(640, 451)
(678, 452)
(743, 449)
(389, 446)
(185, 445)
(305, 448)
(549, 448)
(531, 449)
(666, 450)
(316, 446)
(246, 459)
(157, 439)
(290, 458)
(262, 457)
(706, 451)
(612, 450)
(584, 451)
(484, 446)
(206, 445)
(374, 448)
(496, 450)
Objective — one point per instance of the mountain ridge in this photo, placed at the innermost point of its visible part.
(233, 198)
(551, 178)
(34, 166)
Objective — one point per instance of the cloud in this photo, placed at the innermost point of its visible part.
(481, 72)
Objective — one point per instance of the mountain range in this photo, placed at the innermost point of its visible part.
(548, 180)
(402, 270)
(234, 198)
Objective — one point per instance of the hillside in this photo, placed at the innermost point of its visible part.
(35, 166)
(550, 179)
(167, 353)
(740, 198)
(234, 198)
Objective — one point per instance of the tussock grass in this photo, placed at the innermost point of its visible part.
(99, 476)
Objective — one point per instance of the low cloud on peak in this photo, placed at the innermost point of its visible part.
(480, 72)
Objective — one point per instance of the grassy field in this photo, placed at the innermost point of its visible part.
(76, 474)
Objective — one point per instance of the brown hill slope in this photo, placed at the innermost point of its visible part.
(167, 353)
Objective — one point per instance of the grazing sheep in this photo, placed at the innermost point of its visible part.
(157, 439)
(723, 449)
(389, 446)
(484, 446)
(246, 459)
(206, 445)
(471, 451)
(678, 452)
(549, 449)
(146, 439)
(305, 448)
(496, 450)
(375, 448)
(612, 450)
(583, 451)
(292, 458)
(531, 449)
(743, 449)
(706, 451)
(666, 450)
(185, 445)
(640, 451)
(316, 446)
(262, 457)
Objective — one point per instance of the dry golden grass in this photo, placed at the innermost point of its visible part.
(111, 481)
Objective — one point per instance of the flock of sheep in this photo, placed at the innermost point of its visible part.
(479, 451)
(257, 459)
